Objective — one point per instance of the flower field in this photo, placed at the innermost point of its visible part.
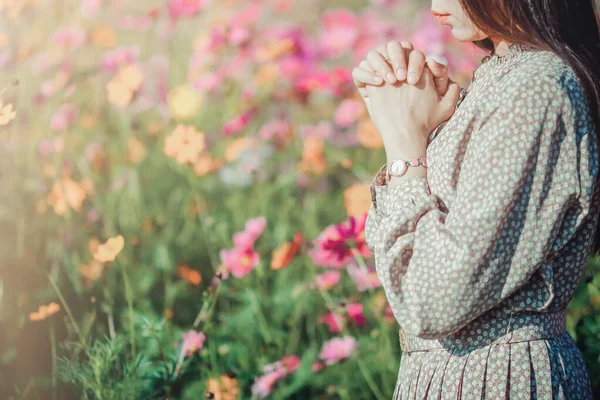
(183, 193)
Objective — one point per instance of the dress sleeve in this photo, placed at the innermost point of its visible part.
(526, 164)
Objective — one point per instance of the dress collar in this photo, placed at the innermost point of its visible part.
(492, 60)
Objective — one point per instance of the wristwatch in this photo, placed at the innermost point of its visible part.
(399, 167)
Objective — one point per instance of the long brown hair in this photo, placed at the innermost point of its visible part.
(569, 28)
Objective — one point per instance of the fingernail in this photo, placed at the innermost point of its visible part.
(412, 77)
(401, 73)
(390, 76)
(377, 79)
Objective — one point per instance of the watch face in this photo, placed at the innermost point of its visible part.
(398, 167)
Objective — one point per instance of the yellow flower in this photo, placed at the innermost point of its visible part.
(110, 250)
(7, 113)
(184, 144)
(183, 102)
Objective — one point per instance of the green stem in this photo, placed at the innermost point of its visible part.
(53, 349)
(369, 379)
(130, 307)
(67, 309)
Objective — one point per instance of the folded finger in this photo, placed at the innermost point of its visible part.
(382, 68)
(440, 75)
(397, 58)
(363, 77)
(416, 63)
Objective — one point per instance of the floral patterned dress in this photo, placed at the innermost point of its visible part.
(479, 259)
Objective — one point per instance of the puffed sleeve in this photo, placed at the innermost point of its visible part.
(527, 164)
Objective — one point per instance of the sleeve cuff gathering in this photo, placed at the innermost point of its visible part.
(410, 192)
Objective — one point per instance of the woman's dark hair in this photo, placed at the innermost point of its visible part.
(569, 28)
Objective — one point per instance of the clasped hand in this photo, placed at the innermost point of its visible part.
(405, 112)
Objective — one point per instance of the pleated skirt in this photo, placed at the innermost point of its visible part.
(547, 369)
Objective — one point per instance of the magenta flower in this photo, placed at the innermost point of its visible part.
(355, 311)
(238, 123)
(336, 245)
(337, 349)
(192, 342)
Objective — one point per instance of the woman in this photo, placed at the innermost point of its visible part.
(480, 249)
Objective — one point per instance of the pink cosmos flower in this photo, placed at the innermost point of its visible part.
(323, 129)
(64, 117)
(317, 366)
(113, 60)
(326, 280)
(290, 363)
(337, 349)
(264, 385)
(90, 8)
(349, 112)
(185, 8)
(355, 311)
(364, 280)
(49, 146)
(238, 123)
(192, 342)
(69, 37)
(239, 261)
(340, 31)
(334, 246)
(334, 321)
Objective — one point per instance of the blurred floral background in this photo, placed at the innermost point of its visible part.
(183, 193)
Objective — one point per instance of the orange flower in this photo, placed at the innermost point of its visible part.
(184, 144)
(235, 147)
(7, 113)
(274, 50)
(312, 156)
(266, 74)
(91, 271)
(137, 150)
(189, 275)
(66, 193)
(103, 36)
(93, 244)
(368, 135)
(44, 312)
(123, 86)
(285, 253)
(225, 388)
(346, 163)
(205, 164)
(109, 250)
(357, 199)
